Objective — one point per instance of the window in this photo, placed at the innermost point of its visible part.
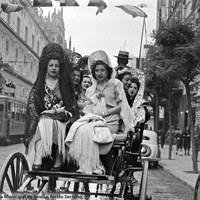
(16, 54)
(25, 60)
(38, 47)
(26, 34)
(8, 18)
(33, 41)
(7, 45)
(18, 26)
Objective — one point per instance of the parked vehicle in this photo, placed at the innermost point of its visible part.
(150, 147)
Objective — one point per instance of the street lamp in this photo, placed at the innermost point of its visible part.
(10, 7)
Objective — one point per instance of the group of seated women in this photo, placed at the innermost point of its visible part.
(62, 98)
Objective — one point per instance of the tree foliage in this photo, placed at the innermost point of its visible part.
(175, 35)
(175, 58)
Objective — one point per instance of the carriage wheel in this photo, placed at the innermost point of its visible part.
(197, 189)
(12, 174)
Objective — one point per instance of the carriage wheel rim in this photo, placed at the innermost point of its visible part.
(12, 173)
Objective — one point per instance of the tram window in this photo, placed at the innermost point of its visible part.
(1, 111)
(20, 113)
(9, 107)
(13, 115)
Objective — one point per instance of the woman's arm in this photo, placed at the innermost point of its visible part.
(112, 111)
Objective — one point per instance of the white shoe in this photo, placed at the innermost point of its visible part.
(100, 171)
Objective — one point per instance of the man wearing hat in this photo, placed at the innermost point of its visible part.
(122, 60)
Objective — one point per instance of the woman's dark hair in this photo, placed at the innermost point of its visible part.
(129, 98)
(87, 76)
(100, 62)
(77, 68)
(136, 81)
(36, 100)
(54, 51)
(83, 62)
(120, 76)
(78, 86)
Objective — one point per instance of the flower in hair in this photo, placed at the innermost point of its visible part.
(123, 71)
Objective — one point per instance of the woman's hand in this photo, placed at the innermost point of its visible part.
(103, 114)
(100, 95)
(54, 110)
(59, 110)
(48, 111)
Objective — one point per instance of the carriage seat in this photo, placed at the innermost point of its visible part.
(120, 140)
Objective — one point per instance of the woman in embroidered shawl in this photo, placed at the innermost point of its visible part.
(107, 104)
(140, 114)
(135, 97)
(124, 75)
(51, 106)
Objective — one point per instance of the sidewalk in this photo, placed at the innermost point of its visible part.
(179, 166)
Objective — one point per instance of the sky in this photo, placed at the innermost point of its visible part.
(111, 31)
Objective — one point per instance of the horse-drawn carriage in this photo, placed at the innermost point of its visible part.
(18, 181)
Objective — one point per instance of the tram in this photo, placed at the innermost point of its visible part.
(12, 120)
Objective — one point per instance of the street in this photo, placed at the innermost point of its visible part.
(161, 184)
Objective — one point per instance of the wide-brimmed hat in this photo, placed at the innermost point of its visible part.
(123, 55)
(96, 56)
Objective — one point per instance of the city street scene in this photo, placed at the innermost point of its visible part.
(100, 99)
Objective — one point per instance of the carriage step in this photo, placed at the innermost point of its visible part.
(134, 169)
(134, 154)
(68, 175)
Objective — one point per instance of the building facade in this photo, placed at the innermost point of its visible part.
(169, 11)
(185, 10)
(23, 35)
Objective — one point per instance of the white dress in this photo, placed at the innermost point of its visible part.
(82, 148)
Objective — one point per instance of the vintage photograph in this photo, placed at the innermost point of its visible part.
(99, 99)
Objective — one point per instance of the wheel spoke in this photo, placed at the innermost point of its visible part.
(12, 173)
(17, 169)
(198, 190)
(21, 176)
(9, 183)
(13, 176)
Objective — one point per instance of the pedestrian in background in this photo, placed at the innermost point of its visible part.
(186, 140)
(122, 60)
(162, 137)
(179, 141)
(172, 135)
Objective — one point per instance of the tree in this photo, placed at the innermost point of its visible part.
(160, 82)
(180, 48)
